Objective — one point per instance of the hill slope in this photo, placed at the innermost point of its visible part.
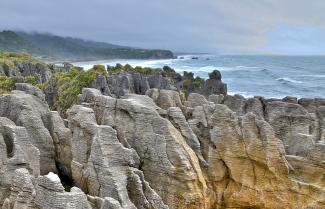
(66, 48)
(11, 41)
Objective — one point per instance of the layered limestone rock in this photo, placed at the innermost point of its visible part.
(44, 192)
(165, 98)
(125, 82)
(29, 111)
(103, 167)
(256, 167)
(30, 89)
(167, 161)
(16, 151)
(61, 136)
(157, 151)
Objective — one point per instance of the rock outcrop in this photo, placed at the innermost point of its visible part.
(16, 151)
(44, 192)
(39, 71)
(29, 111)
(161, 151)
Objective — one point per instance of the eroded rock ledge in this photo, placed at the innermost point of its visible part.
(156, 151)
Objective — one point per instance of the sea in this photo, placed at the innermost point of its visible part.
(267, 76)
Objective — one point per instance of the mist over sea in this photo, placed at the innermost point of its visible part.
(268, 76)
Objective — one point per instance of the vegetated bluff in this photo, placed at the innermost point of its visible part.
(159, 150)
(52, 47)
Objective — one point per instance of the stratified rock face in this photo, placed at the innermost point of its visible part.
(168, 163)
(137, 83)
(157, 151)
(30, 89)
(61, 137)
(239, 160)
(16, 151)
(28, 111)
(103, 167)
(40, 71)
(45, 192)
(165, 98)
(100, 83)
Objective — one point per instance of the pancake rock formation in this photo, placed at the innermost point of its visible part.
(158, 150)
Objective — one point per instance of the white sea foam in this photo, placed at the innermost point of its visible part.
(313, 76)
(246, 67)
(288, 80)
(243, 93)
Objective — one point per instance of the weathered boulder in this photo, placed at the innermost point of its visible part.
(293, 125)
(103, 167)
(216, 98)
(289, 99)
(159, 81)
(29, 111)
(44, 192)
(236, 103)
(125, 82)
(20, 195)
(168, 163)
(165, 98)
(41, 71)
(100, 83)
(30, 89)
(16, 151)
(194, 100)
(152, 152)
(61, 136)
(214, 85)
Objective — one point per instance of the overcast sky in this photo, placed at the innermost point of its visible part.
(214, 26)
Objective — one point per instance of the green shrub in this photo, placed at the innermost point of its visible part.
(188, 75)
(198, 82)
(6, 84)
(31, 79)
(187, 83)
(11, 59)
(70, 85)
(100, 68)
(128, 68)
(118, 68)
(182, 96)
(215, 75)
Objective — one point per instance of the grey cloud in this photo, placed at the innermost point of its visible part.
(225, 26)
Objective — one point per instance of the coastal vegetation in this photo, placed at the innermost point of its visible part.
(12, 59)
(51, 47)
(64, 84)
(70, 84)
(119, 68)
(6, 84)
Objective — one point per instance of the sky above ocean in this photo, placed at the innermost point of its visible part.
(219, 27)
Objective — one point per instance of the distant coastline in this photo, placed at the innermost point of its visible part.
(54, 48)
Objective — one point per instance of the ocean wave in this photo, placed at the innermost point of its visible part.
(207, 68)
(154, 63)
(313, 76)
(242, 93)
(270, 73)
(288, 80)
(246, 67)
